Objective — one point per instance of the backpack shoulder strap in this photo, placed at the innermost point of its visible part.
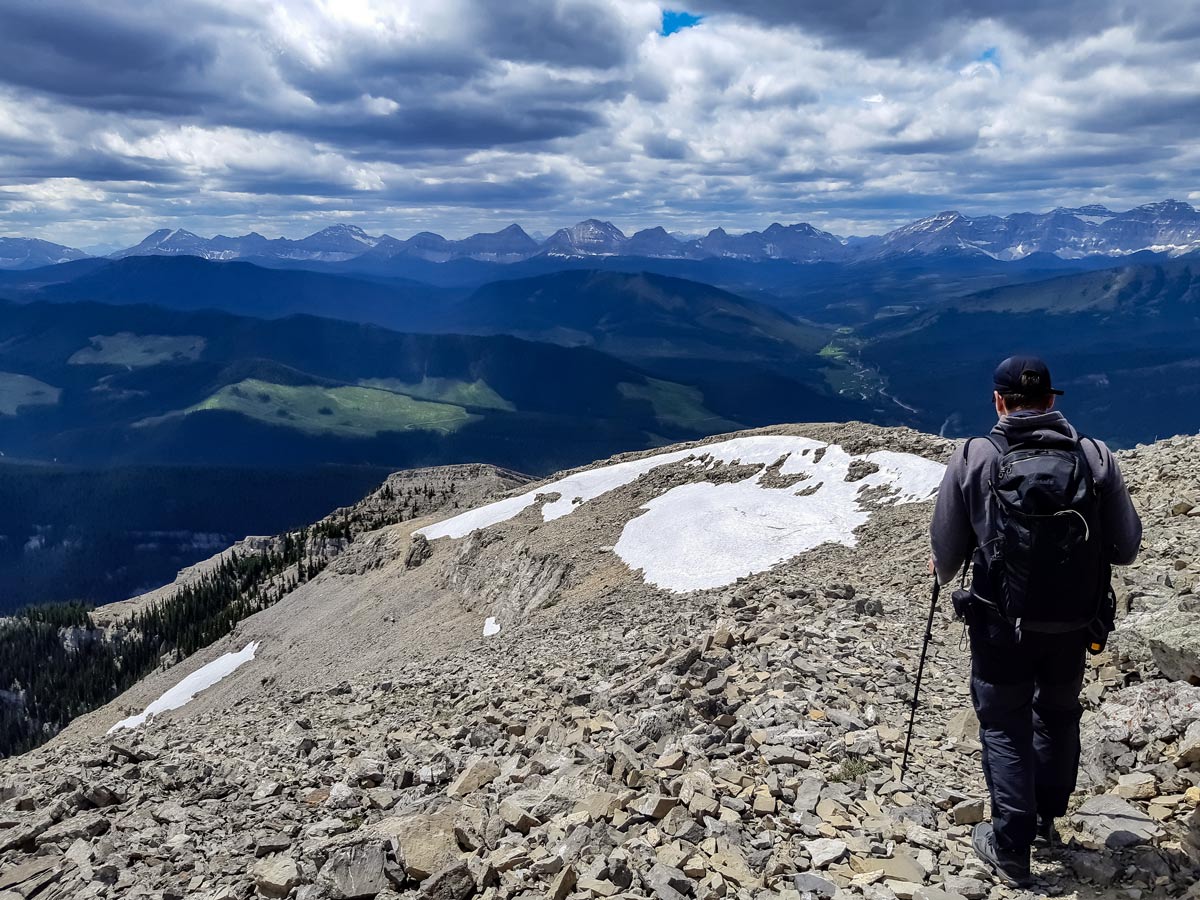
(1093, 474)
(1095, 444)
(1000, 444)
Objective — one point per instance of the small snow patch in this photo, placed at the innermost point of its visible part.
(204, 677)
(491, 626)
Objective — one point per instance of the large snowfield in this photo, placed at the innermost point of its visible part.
(204, 677)
(705, 535)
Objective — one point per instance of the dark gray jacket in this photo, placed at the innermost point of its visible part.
(962, 516)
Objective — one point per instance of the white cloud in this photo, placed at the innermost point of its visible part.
(463, 115)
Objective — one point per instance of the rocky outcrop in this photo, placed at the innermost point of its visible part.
(510, 581)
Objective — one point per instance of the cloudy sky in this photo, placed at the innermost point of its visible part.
(119, 116)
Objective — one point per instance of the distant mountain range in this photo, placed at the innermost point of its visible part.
(1170, 227)
(30, 253)
(236, 286)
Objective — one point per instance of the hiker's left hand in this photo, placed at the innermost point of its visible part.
(932, 567)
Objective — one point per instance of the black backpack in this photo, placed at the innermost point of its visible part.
(1043, 567)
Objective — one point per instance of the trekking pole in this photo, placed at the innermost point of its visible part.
(912, 713)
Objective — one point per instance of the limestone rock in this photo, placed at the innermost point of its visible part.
(418, 551)
(276, 876)
(653, 805)
(901, 866)
(477, 774)
(813, 886)
(517, 816)
(355, 871)
(1114, 822)
(425, 843)
(1137, 786)
(451, 883)
(365, 772)
(824, 851)
(563, 883)
(963, 726)
(1188, 751)
(668, 882)
(968, 812)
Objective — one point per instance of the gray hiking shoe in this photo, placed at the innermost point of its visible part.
(1011, 868)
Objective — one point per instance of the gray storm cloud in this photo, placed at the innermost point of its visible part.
(117, 117)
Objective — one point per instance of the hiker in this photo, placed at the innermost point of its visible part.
(1041, 514)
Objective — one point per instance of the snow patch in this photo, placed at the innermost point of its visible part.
(706, 535)
(490, 626)
(572, 491)
(204, 677)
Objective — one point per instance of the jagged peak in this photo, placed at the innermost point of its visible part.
(597, 225)
(1168, 206)
(342, 228)
(1094, 209)
(936, 222)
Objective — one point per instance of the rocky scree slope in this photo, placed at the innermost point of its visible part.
(102, 653)
(404, 495)
(617, 738)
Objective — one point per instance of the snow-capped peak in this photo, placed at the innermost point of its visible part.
(589, 237)
(343, 231)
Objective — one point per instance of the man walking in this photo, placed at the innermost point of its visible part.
(1041, 514)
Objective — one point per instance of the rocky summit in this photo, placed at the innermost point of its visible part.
(678, 674)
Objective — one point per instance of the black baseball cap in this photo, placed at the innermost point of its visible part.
(1025, 375)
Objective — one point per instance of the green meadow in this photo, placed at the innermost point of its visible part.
(677, 404)
(345, 411)
(137, 350)
(17, 391)
(476, 393)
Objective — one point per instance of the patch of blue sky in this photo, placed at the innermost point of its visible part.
(673, 21)
(990, 55)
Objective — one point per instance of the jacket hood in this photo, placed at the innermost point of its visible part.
(1038, 428)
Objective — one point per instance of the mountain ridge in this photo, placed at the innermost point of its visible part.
(95, 383)
(1167, 226)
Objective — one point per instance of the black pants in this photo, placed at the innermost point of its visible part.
(1026, 695)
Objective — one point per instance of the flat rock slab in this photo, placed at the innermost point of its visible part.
(1115, 822)
(37, 868)
(355, 871)
(824, 851)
